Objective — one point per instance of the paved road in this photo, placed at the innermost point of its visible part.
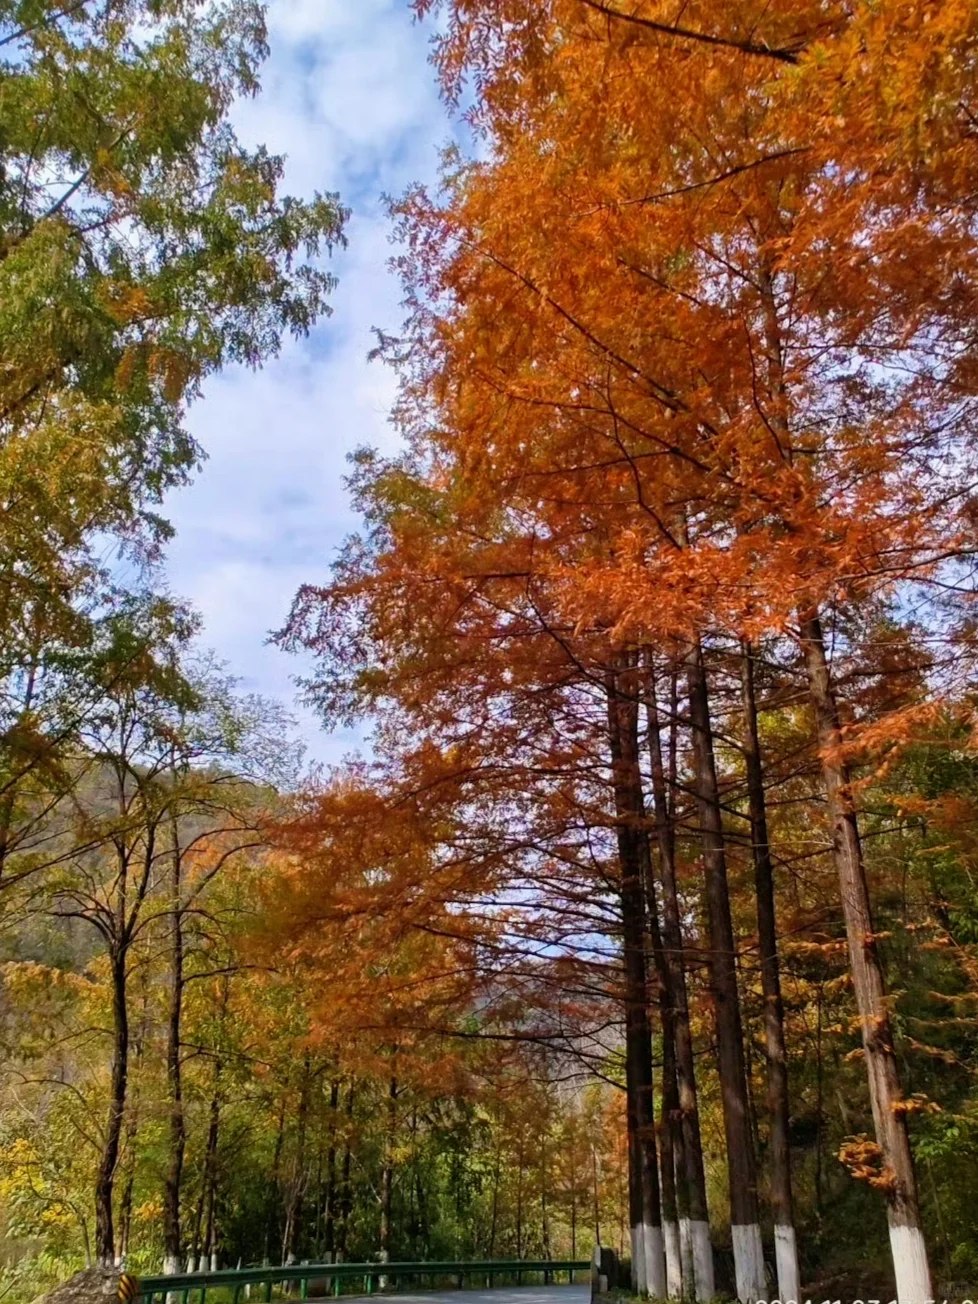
(498, 1295)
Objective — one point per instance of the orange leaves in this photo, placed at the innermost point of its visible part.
(918, 1103)
(864, 1160)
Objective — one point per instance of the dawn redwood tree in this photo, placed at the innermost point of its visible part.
(740, 370)
(785, 1243)
(694, 1220)
(648, 1251)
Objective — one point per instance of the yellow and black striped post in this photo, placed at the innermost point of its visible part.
(128, 1288)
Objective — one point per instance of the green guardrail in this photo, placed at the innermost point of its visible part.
(327, 1278)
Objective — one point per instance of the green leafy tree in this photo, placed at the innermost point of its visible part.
(142, 248)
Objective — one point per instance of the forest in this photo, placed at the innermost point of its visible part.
(646, 915)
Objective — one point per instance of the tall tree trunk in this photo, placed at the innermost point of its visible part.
(105, 1179)
(544, 1220)
(909, 1250)
(635, 1210)
(741, 1164)
(346, 1179)
(273, 1199)
(209, 1252)
(785, 1247)
(387, 1178)
(125, 1213)
(519, 1198)
(297, 1186)
(595, 1194)
(646, 1234)
(691, 1189)
(670, 1151)
(669, 1118)
(494, 1219)
(177, 1139)
(573, 1204)
(329, 1222)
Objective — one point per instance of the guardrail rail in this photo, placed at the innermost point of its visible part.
(328, 1278)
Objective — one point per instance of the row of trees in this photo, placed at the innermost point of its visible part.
(663, 619)
(169, 1092)
(665, 612)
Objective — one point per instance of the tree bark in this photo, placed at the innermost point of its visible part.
(647, 1243)
(387, 1178)
(691, 1188)
(346, 1181)
(297, 1185)
(897, 1176)
(741, 1162)
(172, 1247)
(210, 1177)
(105, 1179)
(785, 1247)
(329, 1220)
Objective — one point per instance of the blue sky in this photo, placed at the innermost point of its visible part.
(348, 95)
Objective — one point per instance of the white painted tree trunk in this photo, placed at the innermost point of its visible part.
(639, 1276)
(655, 1261)
(910, 1264)
(703, 1283)
(674, 1265)
(786, 1258)
(686, 1257)
(748, 1250)
(171, 1268)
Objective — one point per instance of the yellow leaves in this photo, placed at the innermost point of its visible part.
(127, 303)
(918, 1103)
(149, 1212)
(170, 369)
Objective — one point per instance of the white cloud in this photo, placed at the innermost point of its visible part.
(349, 97)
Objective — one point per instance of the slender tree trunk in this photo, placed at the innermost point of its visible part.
(125, 1214)
(177, 1125)
(596, 1195)
(635, 1210)
(694, 1223)
(519, 1200)
(210, 1176)
(274, 1198)
(647, 1243)
(105, 1179)
(669, 1118)
(124, 1231)
(903, 1214)
(495, 1202)
(387, 1179)
(346, 1180)
(670, 1149)
(741, 1164)
(329, 1225)
(819, 1104)
(785, 1247)
(544, 1220)
(573, 1207)
(196, 1252)
(297, 1186)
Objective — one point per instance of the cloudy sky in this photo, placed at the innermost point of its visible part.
(349, 97)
